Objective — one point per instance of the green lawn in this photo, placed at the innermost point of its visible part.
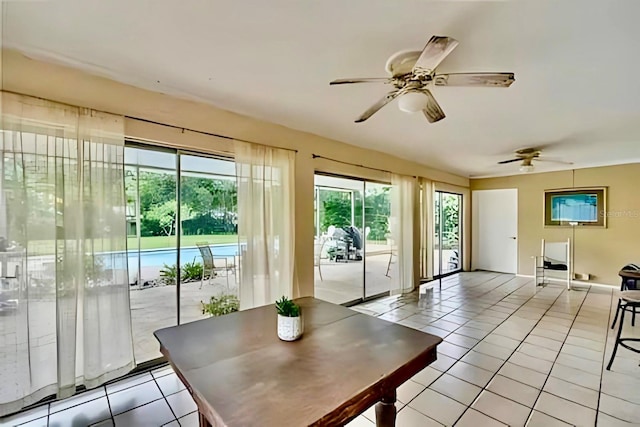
(156, 242)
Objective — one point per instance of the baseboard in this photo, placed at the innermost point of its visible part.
(573, 282)
(600, 285)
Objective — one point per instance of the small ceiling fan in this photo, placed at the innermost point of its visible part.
(527, 156)
(414, 72)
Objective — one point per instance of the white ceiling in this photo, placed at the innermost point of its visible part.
(575, 62)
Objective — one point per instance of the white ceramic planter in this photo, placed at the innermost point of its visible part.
(290, 328)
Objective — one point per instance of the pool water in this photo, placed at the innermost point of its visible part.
(161, 257)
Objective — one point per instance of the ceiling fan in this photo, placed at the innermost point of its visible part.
(527, 156)
(414, 72)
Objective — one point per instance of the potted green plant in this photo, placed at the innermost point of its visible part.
(290, 325)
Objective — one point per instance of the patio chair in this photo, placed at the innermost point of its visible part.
(628, 284)
(209, 265)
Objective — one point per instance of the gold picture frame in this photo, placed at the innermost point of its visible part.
(584, 207)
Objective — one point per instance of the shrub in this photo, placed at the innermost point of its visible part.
(218, 306)
(192, 271)
(169, 274)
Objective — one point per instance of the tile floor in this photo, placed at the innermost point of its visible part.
(513, 354)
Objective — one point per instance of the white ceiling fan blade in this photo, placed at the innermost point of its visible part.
(437, 48)
(378, 105)
(358, 80)
(432, 111)
(552, 160)
(475, 79)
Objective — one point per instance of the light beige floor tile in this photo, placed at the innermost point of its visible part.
(572, 392)
(619, 408)
(408, 391)
(438, 407)
(461, 340)
(523, 375)
(409, 417)
(584, 342)
(541, 332)
(493, 350)
(483, 361)
(514, 390)
(589, 366)
(502, 341)
(605, 420)
(502, 409)
(456, 388)
(360, 421)
(471, 374)
(443, 363)
(451, 350)
(565, 410)
(526, 361)
(582, 352)
(544, 342)
(473, 418)
(622, 386)
(538, 419)
(426, 376)
(538, 352)
(576, 376)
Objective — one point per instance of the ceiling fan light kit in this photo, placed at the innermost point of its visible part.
(526, 168)
(413, 75)
(412, 102)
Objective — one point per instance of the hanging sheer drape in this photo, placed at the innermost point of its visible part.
(426, 229)
(65, 295)
(265, 223)
(401, 222)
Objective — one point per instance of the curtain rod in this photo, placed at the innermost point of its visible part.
(318, 156)
(208, 133)
(153, 122)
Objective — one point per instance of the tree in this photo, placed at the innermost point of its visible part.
(165, 215)
(451, 221)
(336, 209)
(377, 212)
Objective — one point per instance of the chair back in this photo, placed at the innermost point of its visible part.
(628, 283)
(207, 255)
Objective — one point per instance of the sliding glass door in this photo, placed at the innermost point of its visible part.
(208, 235)
(338, 242)
(181, 211)
(380, 252)
(353, 252)
(151, 190)
(447, 233)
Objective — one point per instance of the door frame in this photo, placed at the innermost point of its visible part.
(364, 297)
(440, 275)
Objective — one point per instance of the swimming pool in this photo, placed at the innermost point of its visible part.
(155, 259)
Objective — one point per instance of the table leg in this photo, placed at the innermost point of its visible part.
(203, 420)
(386, 411)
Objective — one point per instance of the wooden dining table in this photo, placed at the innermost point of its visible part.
(240, 374)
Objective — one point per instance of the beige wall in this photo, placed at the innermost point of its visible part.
(35, 78)
(599, 252)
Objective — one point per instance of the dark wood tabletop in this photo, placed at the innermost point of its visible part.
(240, 374)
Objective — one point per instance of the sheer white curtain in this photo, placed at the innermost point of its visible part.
(426, 228)
(65, 295)
(265, 223)
(403, 202)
